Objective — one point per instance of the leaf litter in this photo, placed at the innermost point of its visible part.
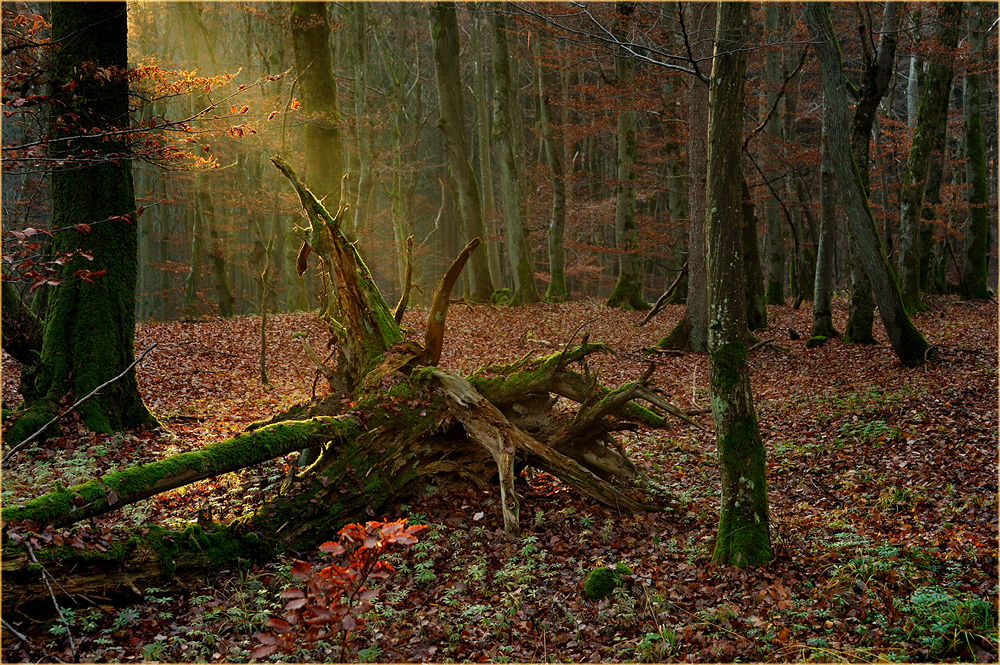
(882, 489)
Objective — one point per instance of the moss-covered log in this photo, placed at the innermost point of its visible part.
(149, 557)
(120, 488)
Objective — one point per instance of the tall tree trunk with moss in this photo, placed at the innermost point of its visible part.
(505, 107)
(744, 537)
(318, 94)
(930, 227)
(89, 328)
(911, 197)
(877, 70)
(907, 342)
(977, 225)
(451, 122)
(556, 290)
(691, 332)
(628, 290)
(775, 294)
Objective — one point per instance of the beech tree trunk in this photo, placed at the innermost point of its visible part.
(485, 156)
(366, 178)
(447, 68)
(876, 75)
(506, 138)
(775, 293)
(628, 289)
(744, 536)
(977, 225)
(318, 94)
(907, 342)
(87, 336)
(936, 89)
(691, 332)
(822, 322)
(556, 290)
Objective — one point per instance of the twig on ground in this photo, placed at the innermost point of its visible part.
(19, 447)
(763, 343)
(830, 494)
(52, 595)
(28, 643)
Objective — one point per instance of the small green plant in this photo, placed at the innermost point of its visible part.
(947, 626)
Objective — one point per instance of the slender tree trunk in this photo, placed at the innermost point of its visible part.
(744, 536)
(691, 332)
(318, 94)
(193, 281)
(930, 228)
(977, 224)
(485, 162)
(822, 323)
(911, 197)
(753, 276)
(907, 342)
(628, 290)
(366, 179)
(553, 154)
(89, 324)
(444, 35)
(875, 79)
(505, 107)
(775, 294)
(801, 219)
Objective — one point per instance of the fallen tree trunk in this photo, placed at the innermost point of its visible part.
(408, 424)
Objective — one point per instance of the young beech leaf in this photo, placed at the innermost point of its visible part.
(332, 547)
(301, 570)
(279, 625)
(295, 604)
(263, 650)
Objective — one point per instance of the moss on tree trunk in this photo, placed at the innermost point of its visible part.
(744, 536)
(89, 330)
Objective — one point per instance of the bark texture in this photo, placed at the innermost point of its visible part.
(936, 89)
(628, 289)
(744, 536)
(977, 225)
(444, 36)
(89, 329)
(507, 140)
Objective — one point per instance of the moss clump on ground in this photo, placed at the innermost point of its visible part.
(599, 583)
(816, 342)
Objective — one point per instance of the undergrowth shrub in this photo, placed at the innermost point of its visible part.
(335, 599)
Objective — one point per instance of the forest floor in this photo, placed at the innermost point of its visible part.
(882, 484)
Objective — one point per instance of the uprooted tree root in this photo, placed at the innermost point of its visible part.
(409, 424)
